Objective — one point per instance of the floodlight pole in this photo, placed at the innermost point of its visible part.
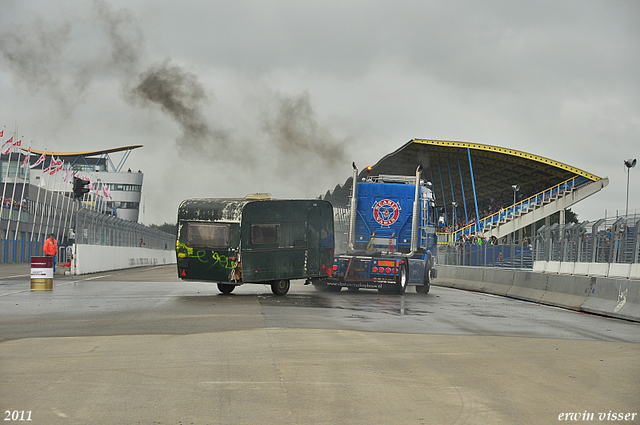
(626, 210)
(629, 163)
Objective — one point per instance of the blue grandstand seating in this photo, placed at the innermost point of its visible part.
(523, 207)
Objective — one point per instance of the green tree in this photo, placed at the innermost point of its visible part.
(166, 227)
(569, 217)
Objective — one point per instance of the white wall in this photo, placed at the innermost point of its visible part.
(98, 258)
(613, 270)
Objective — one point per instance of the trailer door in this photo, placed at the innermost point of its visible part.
(313, 241)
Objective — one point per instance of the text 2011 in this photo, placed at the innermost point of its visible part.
(17, 415)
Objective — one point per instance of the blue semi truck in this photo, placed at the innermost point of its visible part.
(391, 242)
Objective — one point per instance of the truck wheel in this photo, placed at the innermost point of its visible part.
(280, 287)
(427, 279)
(226, 288)
(402, 280)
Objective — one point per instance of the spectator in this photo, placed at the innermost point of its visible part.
(50, 249)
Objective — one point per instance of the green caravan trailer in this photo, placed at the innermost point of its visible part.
(254, 240)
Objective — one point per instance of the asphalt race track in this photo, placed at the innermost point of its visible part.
(141, 347)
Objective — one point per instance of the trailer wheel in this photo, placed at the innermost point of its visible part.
(226, 288)
(280, 287)
(402, 280)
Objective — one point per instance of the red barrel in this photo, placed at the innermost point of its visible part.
(42, 273)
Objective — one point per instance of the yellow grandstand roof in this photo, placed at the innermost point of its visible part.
(449, 166)
(507, 151)
(87, 153)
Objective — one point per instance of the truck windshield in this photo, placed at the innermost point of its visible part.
(208, 235)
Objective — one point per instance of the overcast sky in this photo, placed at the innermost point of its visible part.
(237, 97)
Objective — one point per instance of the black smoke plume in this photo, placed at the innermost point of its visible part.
(124, 34)
(179, 94)
(293, 127)
(33, 54)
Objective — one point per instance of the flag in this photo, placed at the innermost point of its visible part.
(55, 170)
(39, 161)
(18, 143)
(8, 145)
(66, 175)
(58, 166)
(1, 133)
(26, 158)
(53, 164)
(107, 192)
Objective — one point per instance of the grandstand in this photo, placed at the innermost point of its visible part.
(485, 190)
(36, 202)
(125, 186)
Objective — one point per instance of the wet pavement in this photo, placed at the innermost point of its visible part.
(141, 346)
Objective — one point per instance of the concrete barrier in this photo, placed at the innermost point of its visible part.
(539, 266)
(446, 273)
(634, 273)
(616, 298)
(528, 286)
(99, 258)
(459, 277)
(553, 267)
(468, 278)
(598, 269)
(497, 281)
(568, 291)
(567, 267)
(601, 295)
(581, 269)
(619, 270)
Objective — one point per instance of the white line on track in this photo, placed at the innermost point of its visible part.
(17, 292)
(95, 277)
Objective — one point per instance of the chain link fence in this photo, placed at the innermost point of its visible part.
(603, 241)
(613, 240)
(487, 255)
(95, 228)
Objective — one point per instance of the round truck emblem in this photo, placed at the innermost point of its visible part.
(386, 212)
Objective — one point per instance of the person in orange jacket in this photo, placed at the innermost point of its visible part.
(50, 249)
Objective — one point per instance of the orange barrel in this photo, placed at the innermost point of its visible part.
(42, 273)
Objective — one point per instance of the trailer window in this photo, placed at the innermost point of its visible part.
(265, 233)
(208, 235)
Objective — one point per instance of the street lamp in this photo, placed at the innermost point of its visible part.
(515, 188)
(629, 163)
